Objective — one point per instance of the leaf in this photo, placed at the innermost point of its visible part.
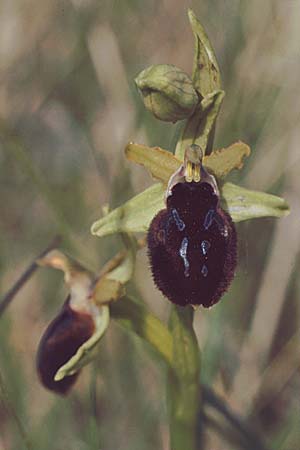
(199, 127)
(86, 353)
(135, 317)
(162, 164)
(133, 216)
(206, 72)
(243, 204)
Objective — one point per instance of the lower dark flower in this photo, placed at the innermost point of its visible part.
(61, 340)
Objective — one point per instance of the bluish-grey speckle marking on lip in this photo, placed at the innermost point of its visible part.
(204, 270)
(209, 219)
(223, 228)
(183, 254)
(179, 223)
(205, 246)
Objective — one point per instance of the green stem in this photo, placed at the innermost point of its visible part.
(135, 317)
(184, 389)
(183, 383)
(182, 360)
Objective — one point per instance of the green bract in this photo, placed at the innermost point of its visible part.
(199, 129)
(206, 73)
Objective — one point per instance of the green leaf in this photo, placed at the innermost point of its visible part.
(206, 72)
(88, 350)
(134, 215)
(183, 383)
(243, 204)
(199, 128)
(162, 164)
(135, 317)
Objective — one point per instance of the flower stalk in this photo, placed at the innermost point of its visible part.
(183, 387)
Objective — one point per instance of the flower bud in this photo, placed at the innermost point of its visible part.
(167, 92)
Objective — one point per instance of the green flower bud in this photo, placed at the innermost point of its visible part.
(167, 92)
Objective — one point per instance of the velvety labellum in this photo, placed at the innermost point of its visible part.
(192, 246)
(61, 340)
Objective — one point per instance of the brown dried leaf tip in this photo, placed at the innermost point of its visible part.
(192, 242)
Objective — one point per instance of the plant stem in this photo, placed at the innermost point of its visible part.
(135, 317)
(182, 359)
(183, 383)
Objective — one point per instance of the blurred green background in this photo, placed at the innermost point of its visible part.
(68, 106)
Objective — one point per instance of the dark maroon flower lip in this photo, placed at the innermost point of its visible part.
(61, 340)
(192, 243)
